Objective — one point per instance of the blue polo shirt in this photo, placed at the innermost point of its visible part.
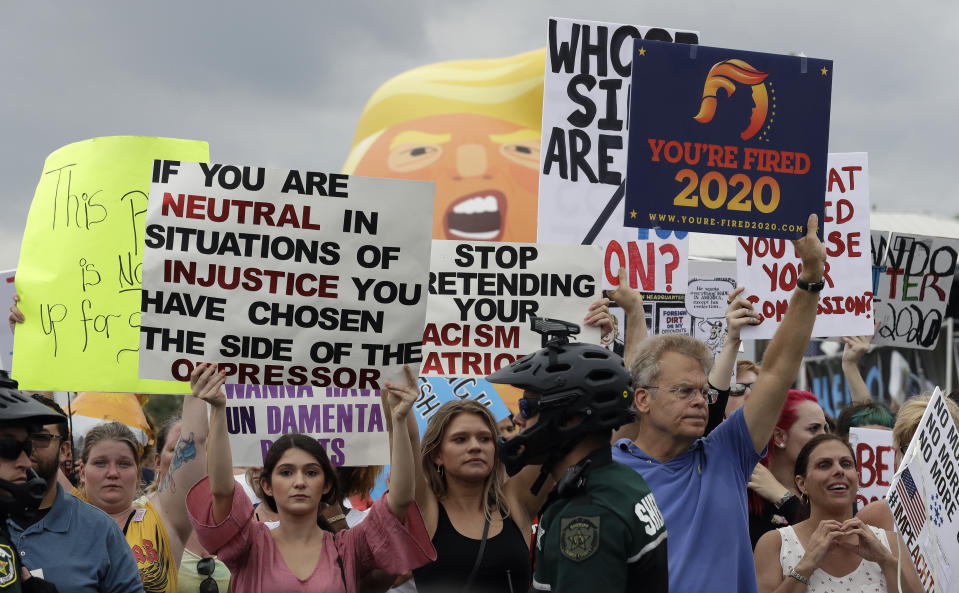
(702, 495)
(79, 547)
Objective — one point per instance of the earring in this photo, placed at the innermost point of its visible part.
(441, 471)
(781, 445)
(804, 498)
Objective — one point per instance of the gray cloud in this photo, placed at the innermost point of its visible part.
(282, 84)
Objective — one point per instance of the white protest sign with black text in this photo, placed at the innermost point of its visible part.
(876, 460)
(924, 498)
(912, 278)
(293, 278)
(7, 290)
(585, 122)
(769, 268)
(709, 286)
(482, 296)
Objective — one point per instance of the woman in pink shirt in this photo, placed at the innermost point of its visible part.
(299, 555)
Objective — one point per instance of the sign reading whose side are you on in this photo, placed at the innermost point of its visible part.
(298, 279)
(585, 122)
(483, 295)
(769, 268)
(924, 498)
(912, 278)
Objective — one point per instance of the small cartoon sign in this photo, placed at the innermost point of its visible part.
(726, 141)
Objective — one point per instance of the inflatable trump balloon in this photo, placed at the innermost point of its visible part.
(470, 126)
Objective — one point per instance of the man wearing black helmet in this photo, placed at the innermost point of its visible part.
(21, 489)
(600, 529)
(54, 538)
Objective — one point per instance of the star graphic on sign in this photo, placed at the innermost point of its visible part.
(632, 214)
(824, 71)
(4, 568)
(642, 51)
(936, 510)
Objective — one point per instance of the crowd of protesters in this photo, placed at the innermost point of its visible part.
(672, 471)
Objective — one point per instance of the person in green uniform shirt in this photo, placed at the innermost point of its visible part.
(600, 529)
(21, 489)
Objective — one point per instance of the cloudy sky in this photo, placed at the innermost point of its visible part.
(281, 84)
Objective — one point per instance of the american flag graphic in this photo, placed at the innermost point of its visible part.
(915, 510)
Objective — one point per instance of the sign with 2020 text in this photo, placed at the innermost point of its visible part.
(726, 141)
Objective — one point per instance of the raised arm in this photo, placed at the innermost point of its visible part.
(207, 384)
(739, 313)
(785, 351)
(632, 303)
(187, 467)
(855, 348)
(424, 497)
(400, 399)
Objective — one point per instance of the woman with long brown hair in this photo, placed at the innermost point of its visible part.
(831, 551)
(479, 522)
(298, 480)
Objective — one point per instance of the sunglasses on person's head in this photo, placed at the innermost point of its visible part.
(11, 448)
(205, 567)
(740, 388)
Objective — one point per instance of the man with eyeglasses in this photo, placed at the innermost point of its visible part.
(51, 447)
(67, 542)
(21, 490)
(600, 529)
(700, 483)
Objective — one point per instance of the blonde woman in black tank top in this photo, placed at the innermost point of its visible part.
(460, 484)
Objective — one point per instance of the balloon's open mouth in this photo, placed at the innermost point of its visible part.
(477, 216)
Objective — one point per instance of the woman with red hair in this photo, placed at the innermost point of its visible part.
(774, 500)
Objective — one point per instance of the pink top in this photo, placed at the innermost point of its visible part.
(248, 549)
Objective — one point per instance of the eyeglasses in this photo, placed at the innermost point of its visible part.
(11, 448)
(685, 392)
(205, 567)
(42, 440)
(740, 389)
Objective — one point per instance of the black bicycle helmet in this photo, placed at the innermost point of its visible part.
(584, 389)
(17, 407)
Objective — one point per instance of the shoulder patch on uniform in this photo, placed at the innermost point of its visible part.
(8, 566)
(579, 537)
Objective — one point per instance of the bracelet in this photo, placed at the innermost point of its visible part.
(779, 504)
(799, 577)
(811, 286)
(335, 518)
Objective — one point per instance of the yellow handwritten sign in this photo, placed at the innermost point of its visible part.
(80, 266)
